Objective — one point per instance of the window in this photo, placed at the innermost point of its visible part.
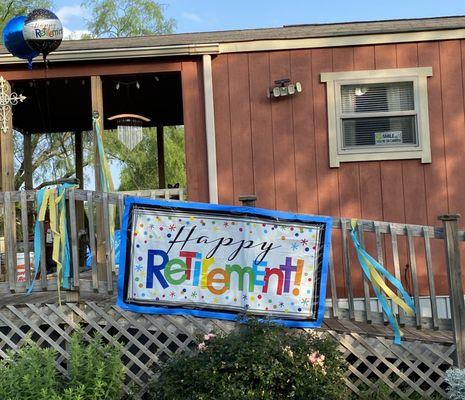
(378, 115)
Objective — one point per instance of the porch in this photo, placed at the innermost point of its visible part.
(433, 339)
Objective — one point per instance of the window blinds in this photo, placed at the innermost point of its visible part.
(367, 114)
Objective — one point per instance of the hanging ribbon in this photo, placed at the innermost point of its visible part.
(105, 177)
(53, 201)
(376, 274)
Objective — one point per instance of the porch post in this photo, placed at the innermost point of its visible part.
(78, 158)
(80, 215)
(27, 148)
(97, 107)
(454, 274)
(210, 128)
(161, 157)
(8, 99)
(6, 138)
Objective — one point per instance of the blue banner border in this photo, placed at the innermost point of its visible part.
(206, 207)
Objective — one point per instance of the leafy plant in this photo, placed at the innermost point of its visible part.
(455, 378)
(257, 361)
(28, 374)
(96, 372)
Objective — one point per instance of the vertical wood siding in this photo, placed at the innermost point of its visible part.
(194, 130)
(278, 149)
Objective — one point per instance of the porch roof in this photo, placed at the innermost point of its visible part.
(282, 33)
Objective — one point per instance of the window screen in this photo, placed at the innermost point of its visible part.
(367, 114)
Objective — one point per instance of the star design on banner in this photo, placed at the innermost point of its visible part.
(194, 294)
(294, 246)
(305, 302)
(139, 268)
(304, 242)
(172, 228)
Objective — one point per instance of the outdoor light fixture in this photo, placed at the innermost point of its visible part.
(284, 87)
(119, 83)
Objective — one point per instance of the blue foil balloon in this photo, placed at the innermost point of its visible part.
(14, 41)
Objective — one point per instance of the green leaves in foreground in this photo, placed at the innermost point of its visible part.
(96, 372)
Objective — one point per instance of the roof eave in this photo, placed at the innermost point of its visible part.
(123, 53)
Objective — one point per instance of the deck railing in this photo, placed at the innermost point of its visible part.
(18, 237)
(422, 257)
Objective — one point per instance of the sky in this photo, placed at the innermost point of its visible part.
(212, 15)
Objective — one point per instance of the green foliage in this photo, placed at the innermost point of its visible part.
(96, 370)
(12, 8)
(120, 18)
(29, 374)
(96, 373)
(257, 361)
(140, 166)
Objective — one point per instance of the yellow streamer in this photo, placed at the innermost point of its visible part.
(58, 227)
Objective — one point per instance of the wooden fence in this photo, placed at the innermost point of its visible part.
(426, 259)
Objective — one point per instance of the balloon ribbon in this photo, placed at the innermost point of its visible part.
(376, 274)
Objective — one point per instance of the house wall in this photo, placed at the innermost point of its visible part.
(278, 150)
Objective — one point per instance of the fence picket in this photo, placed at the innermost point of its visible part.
(10, 242)
(366, 288)
(429, 269)
(395, 258)
(332, 280)
(43, 257)
(92, 245)
(108, 245)
(74, 236)
(346, 264)
(25, 232)
(414, 276)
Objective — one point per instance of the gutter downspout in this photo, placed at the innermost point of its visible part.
(210, 128)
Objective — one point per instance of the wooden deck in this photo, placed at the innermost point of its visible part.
(426, 259)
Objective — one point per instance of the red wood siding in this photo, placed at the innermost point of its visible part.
(279, 149)
(194, 131)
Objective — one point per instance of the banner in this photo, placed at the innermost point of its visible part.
(220, 261)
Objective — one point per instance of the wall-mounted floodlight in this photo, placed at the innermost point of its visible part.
(284, 87)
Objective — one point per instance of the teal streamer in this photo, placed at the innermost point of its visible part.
(65, 252)
(37, 239)
(362, 255)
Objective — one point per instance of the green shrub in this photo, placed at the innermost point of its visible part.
(30, 374)
(96, 373)
(257, 361)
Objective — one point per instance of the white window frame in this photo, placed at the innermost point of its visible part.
(334, 81)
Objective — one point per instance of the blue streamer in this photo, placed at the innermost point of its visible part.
(65, 252)
(362, 256)
(37, 239)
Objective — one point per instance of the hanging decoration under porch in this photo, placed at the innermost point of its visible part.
(129, 128)
(377, 275)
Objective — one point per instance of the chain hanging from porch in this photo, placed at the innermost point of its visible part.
(129, 128)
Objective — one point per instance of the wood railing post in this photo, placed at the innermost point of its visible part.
(456, 293)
